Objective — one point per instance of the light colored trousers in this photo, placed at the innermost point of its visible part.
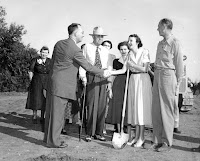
(176, 115)
(164, 105)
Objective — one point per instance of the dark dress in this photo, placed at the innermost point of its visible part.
(116, 103)
(36, 99)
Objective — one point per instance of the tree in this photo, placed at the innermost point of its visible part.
(14, 56)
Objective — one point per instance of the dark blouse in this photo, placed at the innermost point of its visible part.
(38, 68)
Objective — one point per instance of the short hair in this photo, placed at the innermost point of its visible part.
(107, 42)
(167, 22)
(44, 48)
(124, 43)
(73, 27)
(138, 40)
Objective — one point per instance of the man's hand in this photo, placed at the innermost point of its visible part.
(84, 80)
(106, 73)
(110, 94)
(109, 90)
(177, 90)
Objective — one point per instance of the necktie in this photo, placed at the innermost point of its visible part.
(97, 62)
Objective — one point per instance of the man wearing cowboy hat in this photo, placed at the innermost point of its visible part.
(97, 55)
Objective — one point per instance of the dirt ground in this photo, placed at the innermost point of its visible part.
(21, 140)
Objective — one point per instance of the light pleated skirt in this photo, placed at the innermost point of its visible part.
(140, 100)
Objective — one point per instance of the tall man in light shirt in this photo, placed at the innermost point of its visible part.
(167, 78)
(98, 56)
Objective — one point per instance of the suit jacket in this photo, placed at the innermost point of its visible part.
(66, 59)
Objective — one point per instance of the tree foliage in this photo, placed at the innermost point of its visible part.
(14, 56)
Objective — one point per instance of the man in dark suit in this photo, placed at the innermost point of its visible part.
(66, 59)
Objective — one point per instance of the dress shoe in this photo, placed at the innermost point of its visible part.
(133, 141)
(153, 146)
(63, 144)
(139, 144)
(164, 148)
(176, 130)
(64, 132)
(88, 138)
(99, 137)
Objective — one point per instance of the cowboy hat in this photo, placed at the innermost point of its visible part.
(98, 31)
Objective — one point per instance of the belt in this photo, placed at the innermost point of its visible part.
(137, 72)
(162, 68)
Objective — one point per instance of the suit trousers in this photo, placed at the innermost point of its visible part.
(164, 106)
(54, 119)
(96, 104)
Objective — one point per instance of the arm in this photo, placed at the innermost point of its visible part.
(31, 69)
(81, 60)
(143, 68)
(111, 78)
(82, 72)
(178, 62)
(30, 74)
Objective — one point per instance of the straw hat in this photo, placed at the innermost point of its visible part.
(98, 31)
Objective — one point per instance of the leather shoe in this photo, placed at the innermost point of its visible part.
(164, 148)
(99, 137)
(176, 130)
(63, 144)
(64, 132)
(153, 146)
(88, 139)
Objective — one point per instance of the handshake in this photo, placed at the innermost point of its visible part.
(107, 73)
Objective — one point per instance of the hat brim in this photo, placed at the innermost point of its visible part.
(96, 34)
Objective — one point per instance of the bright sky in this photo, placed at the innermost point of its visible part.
(46, 22)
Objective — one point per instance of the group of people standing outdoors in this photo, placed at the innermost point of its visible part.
(104, 77)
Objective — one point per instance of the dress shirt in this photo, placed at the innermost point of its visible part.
(169, 56)
(89, 51)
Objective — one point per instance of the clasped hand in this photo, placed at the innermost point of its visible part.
(107, 73)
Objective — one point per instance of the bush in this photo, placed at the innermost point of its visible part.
(14, 57)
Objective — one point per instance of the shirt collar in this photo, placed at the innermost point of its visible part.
(73, 39)
(99, 47)
(169, 41)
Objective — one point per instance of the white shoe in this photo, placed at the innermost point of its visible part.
(139, 143)
(132, 142)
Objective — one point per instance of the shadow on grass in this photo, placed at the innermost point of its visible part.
(187, 138)
(22, 120)
(18, 133)
(18, 123)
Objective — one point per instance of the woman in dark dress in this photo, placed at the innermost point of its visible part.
(39, 70)
(116, 102)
